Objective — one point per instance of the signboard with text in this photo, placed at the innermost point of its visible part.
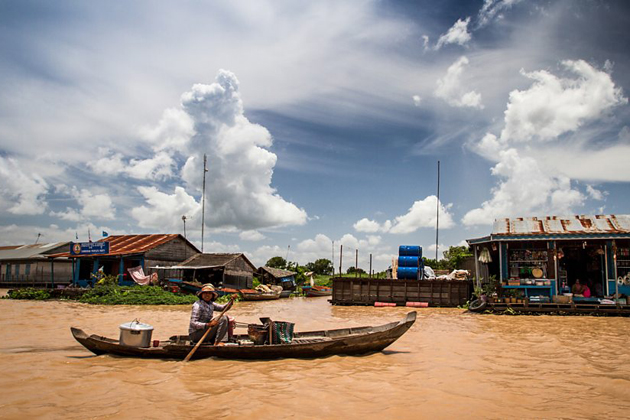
(89, 248)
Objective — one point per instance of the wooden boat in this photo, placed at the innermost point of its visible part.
(260, 296)
(262, 293)
(311, 344)
(315, 291)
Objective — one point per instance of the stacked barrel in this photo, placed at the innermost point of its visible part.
(410, 265)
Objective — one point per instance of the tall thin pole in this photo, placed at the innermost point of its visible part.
(356, 263)
(370, 265)
(185, 248)
(203, 199)
(340, 259)
(333, 258)
(437, 223)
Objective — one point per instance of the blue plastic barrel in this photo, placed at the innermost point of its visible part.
(410, 251)
(410, 262)
(409, 273)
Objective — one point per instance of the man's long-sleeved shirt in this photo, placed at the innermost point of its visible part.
(202, 314)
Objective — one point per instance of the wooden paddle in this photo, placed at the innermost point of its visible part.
(229, 305)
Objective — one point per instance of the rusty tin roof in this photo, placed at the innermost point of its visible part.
(133, 244)
(559, 227)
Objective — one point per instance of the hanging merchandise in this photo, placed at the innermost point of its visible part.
(484, 256)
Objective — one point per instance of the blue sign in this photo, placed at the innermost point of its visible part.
(89, 248)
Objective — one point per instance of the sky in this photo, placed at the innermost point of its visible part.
(323, 122)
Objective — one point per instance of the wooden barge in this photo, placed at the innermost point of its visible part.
(367, 291)
(529, 308)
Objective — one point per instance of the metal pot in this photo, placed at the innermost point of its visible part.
(135, 334)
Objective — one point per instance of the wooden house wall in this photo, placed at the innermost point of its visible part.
(39, 273)
(168, 254)
(239, 274)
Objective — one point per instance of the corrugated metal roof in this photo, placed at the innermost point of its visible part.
(214, 260)
(134, 244)
(19, 252)
(569, 225)
(278, 273)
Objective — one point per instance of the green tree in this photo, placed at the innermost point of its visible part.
(321, 266)
(352, 270)
(277, 262)
(456, 255)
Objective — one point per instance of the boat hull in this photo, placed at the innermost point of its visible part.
(345, 341)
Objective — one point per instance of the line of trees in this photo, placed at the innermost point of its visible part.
(453, 259)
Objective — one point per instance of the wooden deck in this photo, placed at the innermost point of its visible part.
(367, 291)
(557, 309)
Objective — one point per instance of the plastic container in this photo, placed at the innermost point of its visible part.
(409, 273)
(417, 304)
(410, 251)
(410, 262)
(135, 334)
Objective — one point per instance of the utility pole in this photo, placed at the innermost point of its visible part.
(333, 258)
(340, 259)
(437, 224)
(203, 199)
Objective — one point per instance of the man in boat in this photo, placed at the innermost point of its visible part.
(201, 317)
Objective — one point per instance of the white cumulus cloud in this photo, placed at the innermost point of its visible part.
(457, 34)
(21, 193)
(554, 105)
(533, 180)
(450, 89)
(251, 236)
(240, 166)
(423, 214)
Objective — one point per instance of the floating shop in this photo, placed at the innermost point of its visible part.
(128, 256)
(555, 260)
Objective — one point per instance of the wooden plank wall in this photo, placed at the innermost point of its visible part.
(355, 291)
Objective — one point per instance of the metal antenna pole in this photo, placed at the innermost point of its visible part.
(203, 199)
(437, 224)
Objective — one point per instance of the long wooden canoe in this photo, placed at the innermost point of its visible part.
(311, 344)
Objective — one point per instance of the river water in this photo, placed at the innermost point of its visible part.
(450, 364)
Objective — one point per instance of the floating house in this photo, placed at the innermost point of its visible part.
(119, 253)
(28, 265)
(538, 255)
(278, 277)
(233, 270)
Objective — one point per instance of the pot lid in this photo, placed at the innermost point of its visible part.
(136, 326)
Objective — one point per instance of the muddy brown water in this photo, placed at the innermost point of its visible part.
(450, 364)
